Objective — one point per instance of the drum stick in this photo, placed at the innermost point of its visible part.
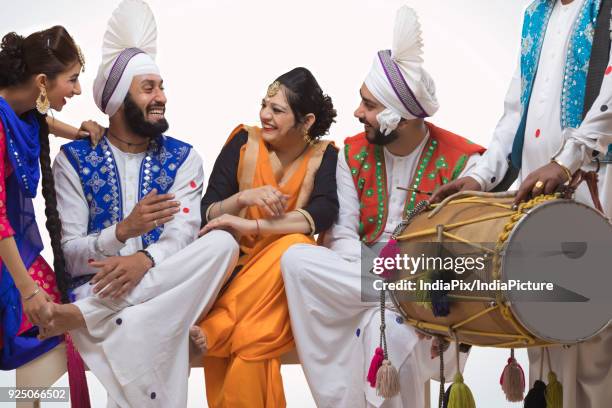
(429, 193)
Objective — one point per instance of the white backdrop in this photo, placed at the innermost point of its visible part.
(218, 57)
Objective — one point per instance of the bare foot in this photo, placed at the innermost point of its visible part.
(197, 344)
(58, 319)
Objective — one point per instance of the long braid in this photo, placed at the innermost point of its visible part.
(53, 223)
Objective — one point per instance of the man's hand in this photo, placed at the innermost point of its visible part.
(269, 199)
(119, 274)
(544, 180)
(461, 184)
(236, 226)
(150, 212)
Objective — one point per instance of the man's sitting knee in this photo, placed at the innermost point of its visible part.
(293, 259)
(224, 240)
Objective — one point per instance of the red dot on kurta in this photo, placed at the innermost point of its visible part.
(185, 210)
(538, 133)
(609, 70)
(193, 184)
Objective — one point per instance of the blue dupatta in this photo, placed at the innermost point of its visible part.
(23, 150)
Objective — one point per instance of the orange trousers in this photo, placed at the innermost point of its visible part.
(248, 330)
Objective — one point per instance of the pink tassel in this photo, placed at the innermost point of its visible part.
(512, 380)
(376, 363)
(389, 251)
(79, 393)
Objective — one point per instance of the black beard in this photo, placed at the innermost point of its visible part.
(378, 137)
(135, 119)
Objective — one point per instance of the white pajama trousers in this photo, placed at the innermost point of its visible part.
(138, 347)
(584, 370)
(336, 334)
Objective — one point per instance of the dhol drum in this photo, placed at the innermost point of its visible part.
(546, 240)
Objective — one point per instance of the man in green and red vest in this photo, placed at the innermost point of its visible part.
(336, 332)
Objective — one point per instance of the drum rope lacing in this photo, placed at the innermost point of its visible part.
(520, 339)
(501, 241)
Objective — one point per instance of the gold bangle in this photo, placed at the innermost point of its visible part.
(210, 208)
(567, 171)
(36, 292)
(208, 211)
(309, 220)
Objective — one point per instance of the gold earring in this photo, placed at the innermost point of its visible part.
(81, 58)
(307, 138)
(42, 102)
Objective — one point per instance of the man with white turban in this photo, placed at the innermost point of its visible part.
(130, 211)
(335, 329)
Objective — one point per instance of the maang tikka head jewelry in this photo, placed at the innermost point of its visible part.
(273, 89)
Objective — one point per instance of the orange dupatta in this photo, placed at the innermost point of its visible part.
(260, 167)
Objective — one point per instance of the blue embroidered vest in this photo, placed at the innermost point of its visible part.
(97, 170)
(577, 61)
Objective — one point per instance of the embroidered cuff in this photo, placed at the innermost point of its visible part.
(309, 219)
(107, 243)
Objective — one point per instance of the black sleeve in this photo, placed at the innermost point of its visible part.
(323, 204)
(223, 181)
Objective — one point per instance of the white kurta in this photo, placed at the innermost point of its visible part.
(584, 370)
(140, 356)
(79, 247)
(336, 333)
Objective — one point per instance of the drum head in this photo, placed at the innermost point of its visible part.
(569, 245)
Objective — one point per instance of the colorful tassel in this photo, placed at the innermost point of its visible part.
(440, 306)
(460, 394)
(440, 303)
(512, 380)
(554, 392)
(423, 297)
(79, 392)
(391, 250)
(387, 380)
(377, 361)
(536, 397)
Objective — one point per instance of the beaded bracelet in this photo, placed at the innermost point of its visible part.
(148, 255)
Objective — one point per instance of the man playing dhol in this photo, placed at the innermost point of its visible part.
(556, 121)
(336, 333)
(128, 206)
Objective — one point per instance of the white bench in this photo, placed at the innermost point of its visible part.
(50, 367)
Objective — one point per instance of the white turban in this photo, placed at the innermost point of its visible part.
(397, 78)
(128, 50)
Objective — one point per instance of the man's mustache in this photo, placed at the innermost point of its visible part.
(365, 122)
